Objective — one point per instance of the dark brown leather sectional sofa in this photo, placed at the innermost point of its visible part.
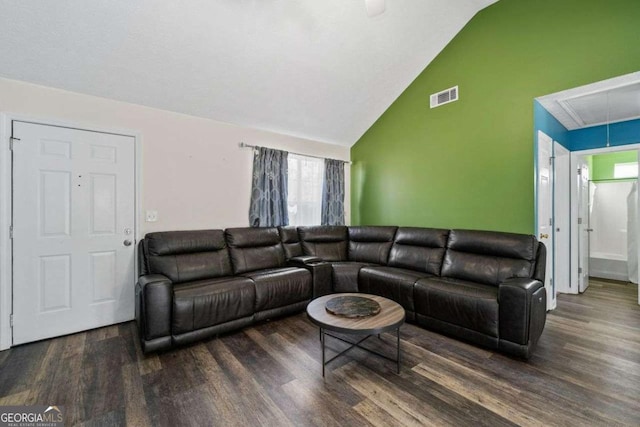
(480, 286)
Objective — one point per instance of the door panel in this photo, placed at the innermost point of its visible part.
(102, 214)
(55, 203)
(73, 200)
(54, 280)
(103, 276)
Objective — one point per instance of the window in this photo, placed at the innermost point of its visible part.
(625, 170)
(305, 190)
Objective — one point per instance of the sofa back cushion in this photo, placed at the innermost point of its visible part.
(489, 257)
(370, 244)
(324, 241)
(254, 249)
(290, 241)
(420, 249)
(184, 256)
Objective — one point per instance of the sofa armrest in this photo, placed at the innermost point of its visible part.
(541, 263)
(321, 273)
(516, 299)
(303, 260)
(154, 292)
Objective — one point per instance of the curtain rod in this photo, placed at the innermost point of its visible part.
(244, 145)
(615, 180)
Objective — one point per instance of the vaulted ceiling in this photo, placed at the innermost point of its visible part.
(318, 69)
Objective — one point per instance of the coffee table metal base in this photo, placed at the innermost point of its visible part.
(324, 335)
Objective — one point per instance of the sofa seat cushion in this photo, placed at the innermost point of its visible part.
(462, 303)
(278, 287)
(345, 275)
(391, 282)
(211, 302)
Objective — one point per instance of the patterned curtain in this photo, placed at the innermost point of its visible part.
(269, 190)
(333, 193)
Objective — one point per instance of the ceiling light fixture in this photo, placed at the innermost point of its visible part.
(374, 7)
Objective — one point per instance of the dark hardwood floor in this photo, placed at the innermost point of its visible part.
(586, 371)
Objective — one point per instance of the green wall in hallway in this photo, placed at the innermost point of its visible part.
(604, 164)
(469, 164)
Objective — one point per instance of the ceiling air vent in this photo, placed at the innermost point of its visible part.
(444, 97)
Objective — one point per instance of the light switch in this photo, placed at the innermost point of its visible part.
(152, 216)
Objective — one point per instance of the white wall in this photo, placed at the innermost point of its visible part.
(194, 173)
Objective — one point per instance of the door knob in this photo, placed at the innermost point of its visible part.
(127, 242)
(589, 230)
(544, 236)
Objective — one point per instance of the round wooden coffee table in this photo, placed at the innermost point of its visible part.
(390, 317)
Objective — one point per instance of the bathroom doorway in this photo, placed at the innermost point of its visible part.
(613, 215)
(608, 226)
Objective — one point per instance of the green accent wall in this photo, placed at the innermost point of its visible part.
(469, 164)
(603, 164)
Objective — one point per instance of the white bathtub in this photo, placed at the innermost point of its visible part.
(608, 266)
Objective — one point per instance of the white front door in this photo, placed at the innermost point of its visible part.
(545, 209)
(73, 228)
(583, 223)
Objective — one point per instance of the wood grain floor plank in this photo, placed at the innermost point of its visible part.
(220, 390)
(251, 395)
(298, 363)
(263, 365)
(464, 410)
(74, 345)
(603, 328)
(15, 399)
(100, 334)
(111, 418)
(136, 412)
(21, 366)
(629, 367)
(374, 414)
(100, 379)
(496, 397)
(311, 399)
(403, 407)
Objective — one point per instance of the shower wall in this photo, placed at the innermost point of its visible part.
(608, 220)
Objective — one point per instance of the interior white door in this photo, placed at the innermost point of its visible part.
(73, 223)
(583, 223)
(561, 218)
(545, 209)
